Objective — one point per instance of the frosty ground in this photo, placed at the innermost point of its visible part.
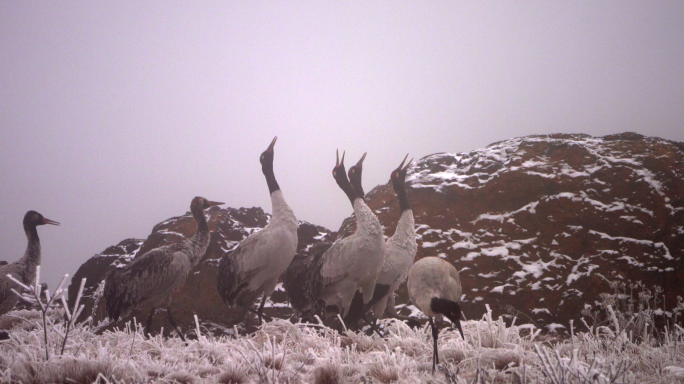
(283, 352)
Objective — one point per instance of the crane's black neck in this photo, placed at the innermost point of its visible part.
(198, 215)
(31, 232)
(402, 197)
(271, 181)
(32, 255)
(351, 194)
(344, 184)
(355, 181)
(267, 168)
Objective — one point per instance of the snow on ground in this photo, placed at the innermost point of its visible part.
(475, 169)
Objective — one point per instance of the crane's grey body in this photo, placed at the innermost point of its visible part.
(400, 253)
(253, 268)
(332, 277)
(24, 269)
(151, 279)
(435, 288)
(400, 249)
(432, 277)
(354, 262)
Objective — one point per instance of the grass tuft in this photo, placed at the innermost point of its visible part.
(76, 371)
(273, 362)
(385, 373)
(328, 373)
(234, 373)
(182, 377)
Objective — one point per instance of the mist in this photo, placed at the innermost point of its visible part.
(115, 115)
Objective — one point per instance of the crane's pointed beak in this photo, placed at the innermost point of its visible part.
(360, 163)
(402, 162)
(460, 330)
(270, 147)
(407, 164)
(51, 222)
(213, 203)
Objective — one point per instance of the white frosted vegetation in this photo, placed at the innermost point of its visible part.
(282, 352)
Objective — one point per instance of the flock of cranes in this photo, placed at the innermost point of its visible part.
(355, 276)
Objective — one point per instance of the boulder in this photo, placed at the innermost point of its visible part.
(541, 225)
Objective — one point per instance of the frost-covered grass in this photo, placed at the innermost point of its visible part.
(282, 352)
(620, 346)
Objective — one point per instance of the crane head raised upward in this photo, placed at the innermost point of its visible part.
(266, 158)
(33, 218)
(339, 172)
(340, 176)
(399, 174)
(355, 176)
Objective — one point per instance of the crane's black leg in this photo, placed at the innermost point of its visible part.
(260, 313)
(173, 323)
(435, 354)
(148, 323)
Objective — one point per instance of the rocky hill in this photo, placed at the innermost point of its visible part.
(541, 224)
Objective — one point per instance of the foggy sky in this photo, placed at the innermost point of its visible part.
(114, 115)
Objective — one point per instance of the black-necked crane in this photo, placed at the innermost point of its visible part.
(347, 267)
(352, 264)
(152, 278)
(400, 248)
(254, 266)
(24, 269)
(435, 288)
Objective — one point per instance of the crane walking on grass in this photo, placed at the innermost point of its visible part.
(24, 269)
(255, 265)
(152, 278)
(435, 288)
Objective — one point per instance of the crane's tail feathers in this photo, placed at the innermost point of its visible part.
(231, 298)
(450, 309)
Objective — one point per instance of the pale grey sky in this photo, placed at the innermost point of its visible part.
(114, 115)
